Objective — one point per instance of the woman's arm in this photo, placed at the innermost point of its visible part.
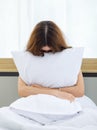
(78, 89)
(65, 92)
(24, 90)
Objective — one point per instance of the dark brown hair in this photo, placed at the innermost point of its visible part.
(46, 33)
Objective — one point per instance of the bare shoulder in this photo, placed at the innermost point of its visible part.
(20, 81)
(80, 75)
(80, 81)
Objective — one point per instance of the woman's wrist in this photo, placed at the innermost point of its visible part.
(55, 92)
(60, 89)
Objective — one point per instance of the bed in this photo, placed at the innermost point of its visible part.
(87, 119)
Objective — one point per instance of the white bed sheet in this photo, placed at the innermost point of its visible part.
(83, 121)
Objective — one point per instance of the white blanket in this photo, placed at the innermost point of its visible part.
(86, 120)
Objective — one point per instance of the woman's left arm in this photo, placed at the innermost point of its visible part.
(76, 90)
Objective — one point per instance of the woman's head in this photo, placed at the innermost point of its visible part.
(46, 37)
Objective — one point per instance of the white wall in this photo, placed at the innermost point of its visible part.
(82, 25)
(76, 18)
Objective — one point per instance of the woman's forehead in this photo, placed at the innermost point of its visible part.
(46, 47)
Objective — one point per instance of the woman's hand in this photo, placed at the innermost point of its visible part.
(65, 95)
(38, 86)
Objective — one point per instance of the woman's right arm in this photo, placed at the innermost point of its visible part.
(24, 90)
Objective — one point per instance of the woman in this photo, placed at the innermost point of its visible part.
(47, 38)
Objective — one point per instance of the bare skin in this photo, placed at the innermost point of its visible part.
(46, 48)
(69, 92)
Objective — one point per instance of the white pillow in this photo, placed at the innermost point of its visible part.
(45, 108)
(53, 70)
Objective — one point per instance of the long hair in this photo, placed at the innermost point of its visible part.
(46, 33)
